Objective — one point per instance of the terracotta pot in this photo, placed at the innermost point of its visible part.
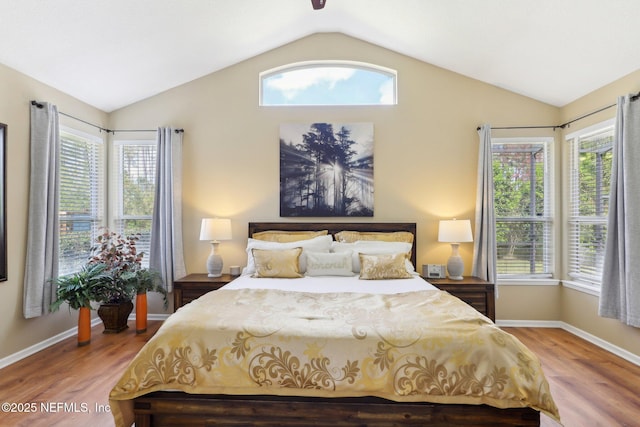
(84, 326)
(141, 313)
(114, 316)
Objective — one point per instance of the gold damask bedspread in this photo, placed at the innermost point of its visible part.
(416, 346)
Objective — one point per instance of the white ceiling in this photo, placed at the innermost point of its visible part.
(111, 53)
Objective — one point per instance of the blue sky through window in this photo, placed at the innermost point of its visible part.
(328, 85)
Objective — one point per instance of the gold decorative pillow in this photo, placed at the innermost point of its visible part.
(281, 263)
(381, 236)
(383, 266)
(287, 236)
(318, 244)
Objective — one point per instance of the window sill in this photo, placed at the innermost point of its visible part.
(581, 287)
(528, 282)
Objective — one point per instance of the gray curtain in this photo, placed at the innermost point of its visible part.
(484, 241)
(42, 232)
(620, 293)
(166, 254)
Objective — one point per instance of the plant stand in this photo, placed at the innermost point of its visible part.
(115, 316)
(84, 326)
(141, 312)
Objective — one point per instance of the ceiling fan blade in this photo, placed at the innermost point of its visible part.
(318, 4)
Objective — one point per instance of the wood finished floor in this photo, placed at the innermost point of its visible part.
(591, 386)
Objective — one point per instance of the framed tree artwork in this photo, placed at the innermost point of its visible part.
(326, 170)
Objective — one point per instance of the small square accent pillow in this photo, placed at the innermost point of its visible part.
(383, 266)
(277, 263)
(329, 264)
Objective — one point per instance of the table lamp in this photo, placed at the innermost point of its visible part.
(455, 232)
(214, 230)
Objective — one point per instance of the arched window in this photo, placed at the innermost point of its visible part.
(328, 83)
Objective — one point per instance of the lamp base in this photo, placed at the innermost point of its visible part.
(455, 265)
(214, 262)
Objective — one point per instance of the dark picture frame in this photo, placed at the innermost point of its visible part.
(3, 202)
(326, 169)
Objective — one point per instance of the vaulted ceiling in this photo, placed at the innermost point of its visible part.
(111, 53)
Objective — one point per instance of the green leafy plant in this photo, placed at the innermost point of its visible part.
(146, 280)
(78, 289)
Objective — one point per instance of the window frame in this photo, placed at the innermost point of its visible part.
(550, 248)
(590, 283)
(98, 194)
(389, 72)
(118, 217)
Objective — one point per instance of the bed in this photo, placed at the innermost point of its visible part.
(331, 349)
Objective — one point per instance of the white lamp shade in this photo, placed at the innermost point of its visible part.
(455, 231)
(215, 229)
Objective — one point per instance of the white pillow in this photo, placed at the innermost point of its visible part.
(317, 244)
(373, 247)
(329, 264)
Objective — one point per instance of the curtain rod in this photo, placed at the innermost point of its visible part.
(524, 127)
(111, 131)
(564, 125)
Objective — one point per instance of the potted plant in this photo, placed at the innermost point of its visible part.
(144, 280)
(119, 256)
(115, 298)
(127, 279)
(77, 290)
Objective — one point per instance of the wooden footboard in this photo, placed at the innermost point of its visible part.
(180, 409)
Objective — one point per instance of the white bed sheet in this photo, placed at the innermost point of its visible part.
(332, 284)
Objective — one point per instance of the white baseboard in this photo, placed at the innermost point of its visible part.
(162, 317)
(618, 351)
(13, 358)
(530, 323)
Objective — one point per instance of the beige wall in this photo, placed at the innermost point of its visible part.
(425, 162)
(528, 303)
(16, 91)
(425, 147)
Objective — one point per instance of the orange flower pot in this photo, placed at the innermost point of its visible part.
(84, 326)
(141, 313)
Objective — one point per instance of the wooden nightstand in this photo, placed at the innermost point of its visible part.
(195, 285)
(476, 292)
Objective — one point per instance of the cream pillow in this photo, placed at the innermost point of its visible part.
(374, 247)
(281, 263)
(383, 266)
(329, 264)
(317, 244)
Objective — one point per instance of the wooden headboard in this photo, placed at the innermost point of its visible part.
(335, 227)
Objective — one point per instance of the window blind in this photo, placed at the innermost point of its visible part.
(81, 203)
(590, 164)
(135, 183)
(523, 201)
